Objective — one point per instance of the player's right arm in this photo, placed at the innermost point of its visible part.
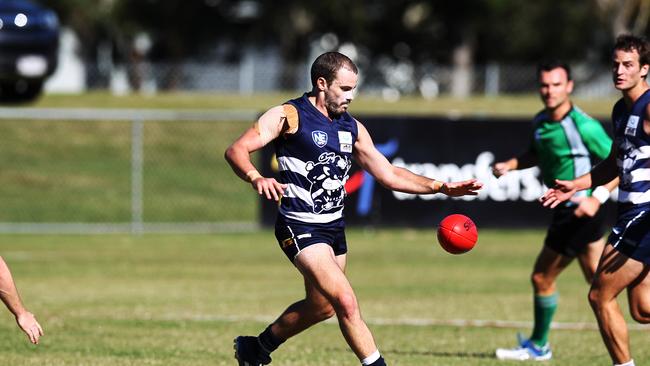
(269, 126)
(527, 159)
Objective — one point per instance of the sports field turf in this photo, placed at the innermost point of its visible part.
(181, 299)
(365, 103)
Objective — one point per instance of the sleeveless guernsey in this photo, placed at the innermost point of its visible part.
(633, 155)
(314, 163)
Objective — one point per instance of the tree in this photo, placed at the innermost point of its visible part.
(625, 16)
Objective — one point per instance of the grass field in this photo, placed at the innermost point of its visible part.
(80, 172)
(180, 300)
(504, 105)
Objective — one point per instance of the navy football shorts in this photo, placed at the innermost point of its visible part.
(295, 236)
(570, 235)
(631, 234)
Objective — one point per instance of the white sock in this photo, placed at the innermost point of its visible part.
(628, 363)
(375, 356)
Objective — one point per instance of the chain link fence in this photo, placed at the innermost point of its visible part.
(121, 171)
(387, 77)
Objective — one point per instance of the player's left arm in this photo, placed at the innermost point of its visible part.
(400, 179)
(9, 295)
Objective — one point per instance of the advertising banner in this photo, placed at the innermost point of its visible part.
(447, 150)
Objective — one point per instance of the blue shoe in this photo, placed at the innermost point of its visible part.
(527, 351)
(248, 352)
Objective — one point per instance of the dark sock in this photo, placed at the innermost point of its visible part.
(379, 362)
(269, 341)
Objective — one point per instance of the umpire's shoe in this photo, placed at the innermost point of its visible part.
(248, 352)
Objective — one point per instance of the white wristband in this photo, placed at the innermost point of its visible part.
(601, 194)
(252, 175)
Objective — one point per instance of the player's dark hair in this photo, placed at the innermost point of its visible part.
(629, 42)
(552, 64)
(328, 64)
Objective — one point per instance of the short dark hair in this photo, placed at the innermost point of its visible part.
(552, 64)
(629, 42)
(328, 64)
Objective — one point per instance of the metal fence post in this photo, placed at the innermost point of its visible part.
(136, 175)
(247, 74)
(492, 76)
(137, 119)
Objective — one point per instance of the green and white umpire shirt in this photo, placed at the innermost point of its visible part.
(568, 148)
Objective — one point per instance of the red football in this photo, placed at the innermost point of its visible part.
(457, 234)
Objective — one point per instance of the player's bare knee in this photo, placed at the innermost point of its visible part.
(540, 282)
(347, 306)
(595, 299)
(592, 297)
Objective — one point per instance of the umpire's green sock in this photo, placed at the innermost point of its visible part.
(545, 307)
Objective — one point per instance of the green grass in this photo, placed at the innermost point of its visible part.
(80, 172)
(505, 105)
(180, 299)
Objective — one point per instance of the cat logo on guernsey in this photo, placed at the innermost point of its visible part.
(319, 137)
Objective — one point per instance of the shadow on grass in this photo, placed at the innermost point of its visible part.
(432, 353)
(443, 354)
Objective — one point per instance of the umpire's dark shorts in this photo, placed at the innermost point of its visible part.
(569, 235)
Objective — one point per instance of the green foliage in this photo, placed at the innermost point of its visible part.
(498, 30)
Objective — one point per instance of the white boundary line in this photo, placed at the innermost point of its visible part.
(123, 228)
(416, 322)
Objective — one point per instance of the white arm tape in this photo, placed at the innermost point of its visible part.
(601, 194)
(268, 128)
(276, 121)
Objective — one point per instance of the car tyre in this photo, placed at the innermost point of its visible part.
(20, 91)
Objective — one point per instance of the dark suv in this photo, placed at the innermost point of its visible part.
(29, 42)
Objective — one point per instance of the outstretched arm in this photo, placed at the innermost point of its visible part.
(526, 160)
(270, 125)
(9, 295)
(589, 206)
(400, 179)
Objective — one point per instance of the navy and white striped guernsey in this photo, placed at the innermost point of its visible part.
(633, 155)
(314, 162)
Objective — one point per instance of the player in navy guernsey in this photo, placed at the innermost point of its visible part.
(625, 262)
(315, 139)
